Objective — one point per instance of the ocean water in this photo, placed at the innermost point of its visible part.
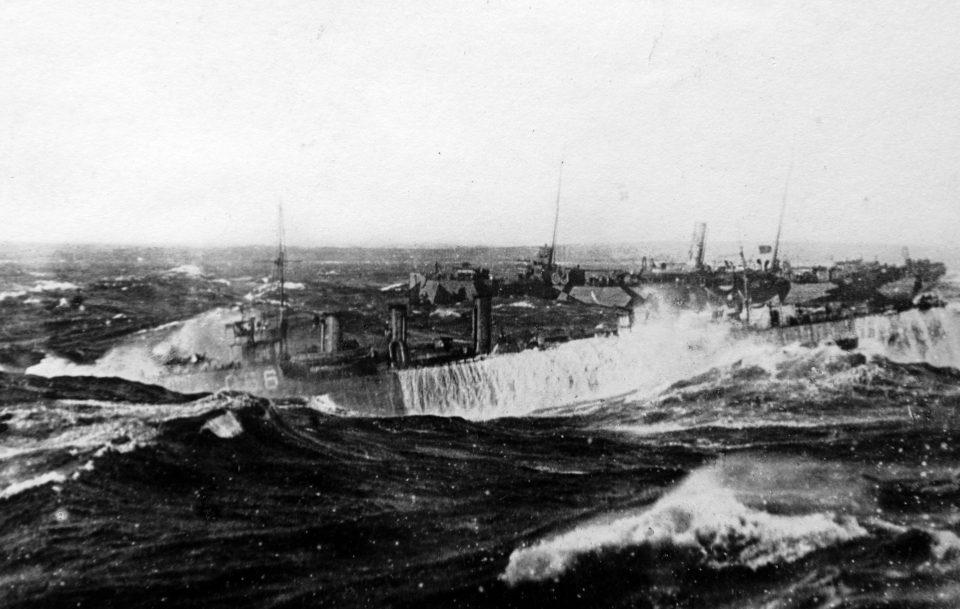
(674, 466)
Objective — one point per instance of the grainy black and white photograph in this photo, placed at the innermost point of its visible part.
(321, 303)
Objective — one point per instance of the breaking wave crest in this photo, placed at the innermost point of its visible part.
(931, 337)
(576, 372)
(646, 361)
(702, 518)
(141, 357)
(57, 442)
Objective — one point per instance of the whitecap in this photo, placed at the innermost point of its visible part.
(50, 286)
(190, 270)
(444, 313)
(325, 404)
(12, 294)
(701, 516)
(18, 487)
(225, 426)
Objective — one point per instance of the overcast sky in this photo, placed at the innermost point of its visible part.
(391, 122)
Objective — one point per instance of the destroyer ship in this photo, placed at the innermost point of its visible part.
(285, 354)
(280, 353)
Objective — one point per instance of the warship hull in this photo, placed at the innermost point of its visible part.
(441, 386)
(376, 393)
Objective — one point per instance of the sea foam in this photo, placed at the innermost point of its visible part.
(577, 372)
(701, 516)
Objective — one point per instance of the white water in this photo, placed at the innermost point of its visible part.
(141, 357)
(268, 287)
(648, 358)
(579, 371)
(225, 426)
(53, 286)
(44, 285)
(87, 429)
(15, 293)
(190, 270)
(131, 362)
(702, 515)
(931, 337)
(639, 363)
(19, 487)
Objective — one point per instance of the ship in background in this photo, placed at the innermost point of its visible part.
(691, 285)
(856, 287)
(856, 279)
(537, 277)
(461, 284)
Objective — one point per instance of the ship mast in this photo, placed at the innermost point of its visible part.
(775, 262)
(746, 284)
(556, 223)
(281, 264)
(281, 255)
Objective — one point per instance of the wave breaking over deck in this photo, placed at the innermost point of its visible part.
(649, 357)
(930, 337)
(140, 357)
(635, 364)
(571, 373)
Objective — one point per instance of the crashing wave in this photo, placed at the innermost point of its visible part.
(142, 356)
(700, 516)
(326, 405)
(225, 426)
(914, 336)
(189, 270)
(572, 373)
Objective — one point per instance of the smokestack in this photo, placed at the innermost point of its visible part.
(398, 323)
(399, 354)
(482, 326)
(331, 333)
(697, 245)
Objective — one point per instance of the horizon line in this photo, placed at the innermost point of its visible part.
(438, 245)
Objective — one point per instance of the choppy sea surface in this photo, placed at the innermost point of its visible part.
(704, 471)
